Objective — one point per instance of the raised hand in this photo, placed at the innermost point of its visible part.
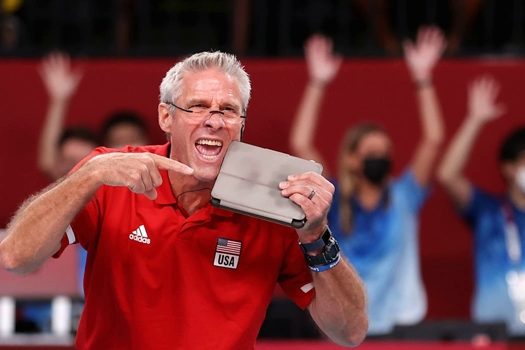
(137, 171)
(482, 95)
(323, 64)
(60, 80)
(422, 56)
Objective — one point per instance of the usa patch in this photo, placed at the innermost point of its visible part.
(227, 253)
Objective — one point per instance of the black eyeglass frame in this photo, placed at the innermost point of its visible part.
(212, 111)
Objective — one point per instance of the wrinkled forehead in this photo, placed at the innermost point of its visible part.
(210, 83)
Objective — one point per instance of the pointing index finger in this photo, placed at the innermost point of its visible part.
(170, 164)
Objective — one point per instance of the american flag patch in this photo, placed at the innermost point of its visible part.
(228, 246)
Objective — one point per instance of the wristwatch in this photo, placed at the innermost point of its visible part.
(327, 258)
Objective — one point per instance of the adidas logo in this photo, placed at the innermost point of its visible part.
(140, 235)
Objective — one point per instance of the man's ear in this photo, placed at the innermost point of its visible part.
(242, 129)
(165, 118)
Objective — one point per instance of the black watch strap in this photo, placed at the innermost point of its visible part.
(328, 255)
(318, 244)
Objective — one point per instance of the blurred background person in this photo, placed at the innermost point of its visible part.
(497, 220)
(124, 128)
(61, 148)
(375, 216)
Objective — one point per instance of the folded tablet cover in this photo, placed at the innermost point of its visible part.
(248, 182)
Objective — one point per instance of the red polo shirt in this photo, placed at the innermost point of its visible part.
(156, 279)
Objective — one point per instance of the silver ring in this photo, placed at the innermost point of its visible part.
(311, 195)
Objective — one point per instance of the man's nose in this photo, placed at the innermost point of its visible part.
(215, 119)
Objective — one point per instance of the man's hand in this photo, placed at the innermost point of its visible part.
(323, 64)
(137, 171)
(313, 193)
(60, 80)
(423, 55)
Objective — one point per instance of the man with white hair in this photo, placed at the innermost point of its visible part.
(152, 278)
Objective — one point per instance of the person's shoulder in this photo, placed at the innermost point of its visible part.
(486, 197)
(406, 176)
(157, 149)
(481, 204)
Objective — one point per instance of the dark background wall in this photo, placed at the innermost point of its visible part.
(365, 89)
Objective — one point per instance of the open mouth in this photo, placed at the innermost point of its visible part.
(208, 149)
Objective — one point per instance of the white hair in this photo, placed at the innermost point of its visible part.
(170, 87)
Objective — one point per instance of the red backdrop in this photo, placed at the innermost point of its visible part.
(365, 89)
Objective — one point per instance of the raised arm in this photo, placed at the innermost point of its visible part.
(421, 57)
(482, 108)
(323, 66)
(61, 83)
(35, 232)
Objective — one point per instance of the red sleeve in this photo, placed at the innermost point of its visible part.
(84, 226)
(295, 277)
(97, 151)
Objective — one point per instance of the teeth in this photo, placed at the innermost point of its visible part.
(209, 142)
(208, 157)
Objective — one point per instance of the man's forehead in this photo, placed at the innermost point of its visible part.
(210, 82)
(193, 77)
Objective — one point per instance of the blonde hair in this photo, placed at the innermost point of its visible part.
(346, 178)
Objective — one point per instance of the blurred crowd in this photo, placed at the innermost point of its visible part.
(375, 215)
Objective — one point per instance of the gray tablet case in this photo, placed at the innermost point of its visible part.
(248, 183)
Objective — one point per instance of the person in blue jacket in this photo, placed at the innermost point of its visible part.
(375, 215)
(497, 220)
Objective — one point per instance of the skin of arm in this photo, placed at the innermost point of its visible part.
(323, 66)
(35, 232)
(339, 306)
(421, 57)
(61, 83)
(482, 107)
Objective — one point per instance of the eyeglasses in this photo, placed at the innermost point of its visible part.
(198, 113)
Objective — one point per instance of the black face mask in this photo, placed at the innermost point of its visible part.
(376, 169)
